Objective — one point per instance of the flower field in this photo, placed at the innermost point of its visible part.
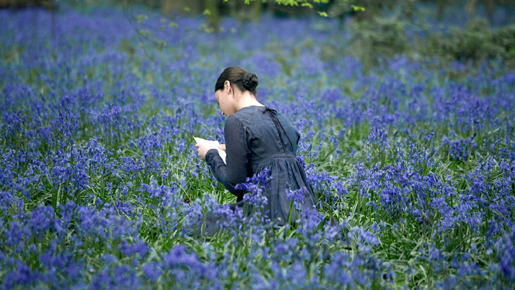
(412, 162)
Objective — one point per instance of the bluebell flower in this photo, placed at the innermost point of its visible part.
(152, 271)
(254, 187)
(297, 197)
(21, 276)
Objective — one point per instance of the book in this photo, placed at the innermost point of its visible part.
(210, 143)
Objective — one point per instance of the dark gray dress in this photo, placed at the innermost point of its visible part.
(256, 138)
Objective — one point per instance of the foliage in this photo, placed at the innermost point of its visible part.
(476, 42)
(412, 161)
(379, 37)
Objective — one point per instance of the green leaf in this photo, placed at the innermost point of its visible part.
(287, 2)
(207, 28)
(141, 18)
(358, 8)
(161, 44)
(145, 32)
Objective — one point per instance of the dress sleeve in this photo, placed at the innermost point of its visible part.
(237, 157)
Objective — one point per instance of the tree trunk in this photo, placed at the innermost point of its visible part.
(213, 18)
(169, 7)
(257, 9)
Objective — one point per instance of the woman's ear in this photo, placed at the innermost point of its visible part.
(227, 87)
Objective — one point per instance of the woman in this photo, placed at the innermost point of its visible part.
(256, 138)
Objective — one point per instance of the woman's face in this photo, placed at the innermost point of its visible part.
(225, 99)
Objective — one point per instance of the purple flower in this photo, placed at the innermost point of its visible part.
(152, 271)
(297, 197)
(179, 261)
(255, 186)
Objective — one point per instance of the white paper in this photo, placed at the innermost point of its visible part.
(211, 144)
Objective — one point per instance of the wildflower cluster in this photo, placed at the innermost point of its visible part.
(412, 163)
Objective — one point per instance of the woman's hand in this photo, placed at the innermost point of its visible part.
(203, 148)
(221, 147)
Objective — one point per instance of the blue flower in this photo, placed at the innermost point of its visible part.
(152, 271)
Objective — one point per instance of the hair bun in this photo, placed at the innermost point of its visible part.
(249, 81)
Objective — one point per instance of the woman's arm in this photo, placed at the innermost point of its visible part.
(237, 157)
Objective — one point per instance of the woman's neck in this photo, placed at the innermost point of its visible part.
(246, 100)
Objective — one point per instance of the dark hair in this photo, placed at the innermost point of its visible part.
(244, 80)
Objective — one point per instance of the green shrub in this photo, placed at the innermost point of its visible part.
(476, 42)
(378, 38)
